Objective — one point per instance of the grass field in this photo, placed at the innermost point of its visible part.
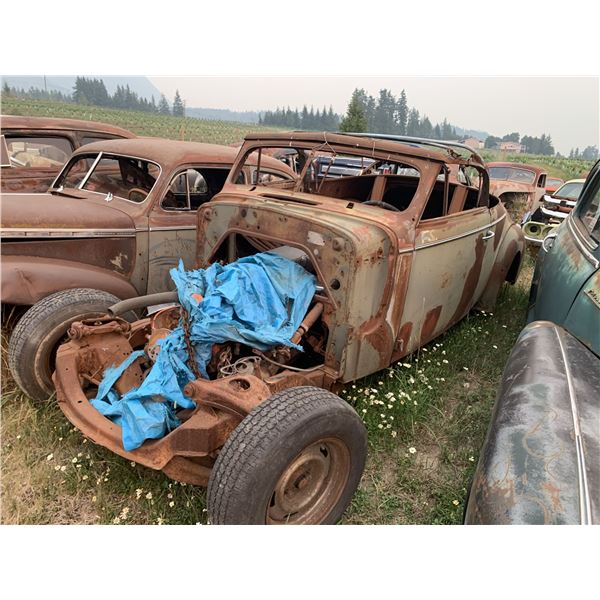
(426, 416)
(140, 123)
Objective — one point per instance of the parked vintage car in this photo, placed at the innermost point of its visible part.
(519, 187)
(539, 463)
(118, 217)
(552, 184)
(34, 149)
(398, 260)
(552, 211)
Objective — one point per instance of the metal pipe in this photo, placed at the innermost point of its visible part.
(309, 320)
(142, 302)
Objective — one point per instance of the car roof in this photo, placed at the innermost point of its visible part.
(171, 153)
(437, 150)
(20, 122)
(517, 165)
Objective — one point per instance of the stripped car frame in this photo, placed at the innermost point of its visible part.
(398, 259)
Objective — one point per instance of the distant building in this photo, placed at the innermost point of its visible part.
(472, 143)
(514, 147)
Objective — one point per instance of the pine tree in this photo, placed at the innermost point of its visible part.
(402, 113)
(178, 107)
(355, 119)
(413, 123)
(163, 106)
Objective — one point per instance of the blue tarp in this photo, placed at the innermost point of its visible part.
(258, 300)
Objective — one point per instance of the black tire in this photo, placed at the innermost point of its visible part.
(33, 343)
(305, 436)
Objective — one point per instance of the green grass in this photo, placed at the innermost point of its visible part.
(140, 123)
(52, 474)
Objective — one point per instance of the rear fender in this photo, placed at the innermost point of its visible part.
(506, 266)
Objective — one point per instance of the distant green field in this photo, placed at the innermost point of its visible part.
(140, 123)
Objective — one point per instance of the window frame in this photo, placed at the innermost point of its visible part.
(99, 156)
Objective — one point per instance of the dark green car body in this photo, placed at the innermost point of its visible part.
(539, 463)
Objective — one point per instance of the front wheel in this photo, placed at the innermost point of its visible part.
(297, 458)
(37, 335)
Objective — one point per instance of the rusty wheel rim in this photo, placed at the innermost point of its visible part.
(311, 485)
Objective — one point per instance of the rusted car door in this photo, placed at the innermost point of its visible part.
(172, 222)
(452, 259)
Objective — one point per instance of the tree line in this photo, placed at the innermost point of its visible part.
(325, 120)
(589, 153)
(531, 144)
(388, 114)
(93, 91)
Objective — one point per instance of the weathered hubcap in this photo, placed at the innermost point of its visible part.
(311, 485)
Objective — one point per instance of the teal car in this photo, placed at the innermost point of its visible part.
(539, 463)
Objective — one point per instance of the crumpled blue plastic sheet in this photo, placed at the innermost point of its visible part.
(258, 300)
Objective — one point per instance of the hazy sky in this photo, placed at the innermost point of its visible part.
(566, 108)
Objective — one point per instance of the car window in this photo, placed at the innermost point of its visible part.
(125, 177)
(589, 213)
(512, 174)
(192, 187)
(38, 152)
(569, 190)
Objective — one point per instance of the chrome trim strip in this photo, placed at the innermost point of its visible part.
(66, 233)
(533, 241)
(585, 508)
(554, 213)
(461, 235)
(184, 228)
(580, 243)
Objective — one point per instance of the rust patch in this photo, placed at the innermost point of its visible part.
(429, 324)
(471, 282)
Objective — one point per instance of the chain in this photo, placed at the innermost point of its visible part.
(188, 343)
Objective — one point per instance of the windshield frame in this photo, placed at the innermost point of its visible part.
(101, 154)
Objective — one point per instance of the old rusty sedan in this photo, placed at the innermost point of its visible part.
(34, 149)
(401, 250)
(118, 217)
(539, 463)
(518, 186)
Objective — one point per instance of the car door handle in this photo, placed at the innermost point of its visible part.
(489, 235)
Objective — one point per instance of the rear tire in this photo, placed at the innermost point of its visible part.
(297, 458)
(33, 343)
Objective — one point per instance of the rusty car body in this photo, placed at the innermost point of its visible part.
(120, 214)
(518, 186)
(399, 258)
(552, 212)
(539, 463)
(34, 149)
